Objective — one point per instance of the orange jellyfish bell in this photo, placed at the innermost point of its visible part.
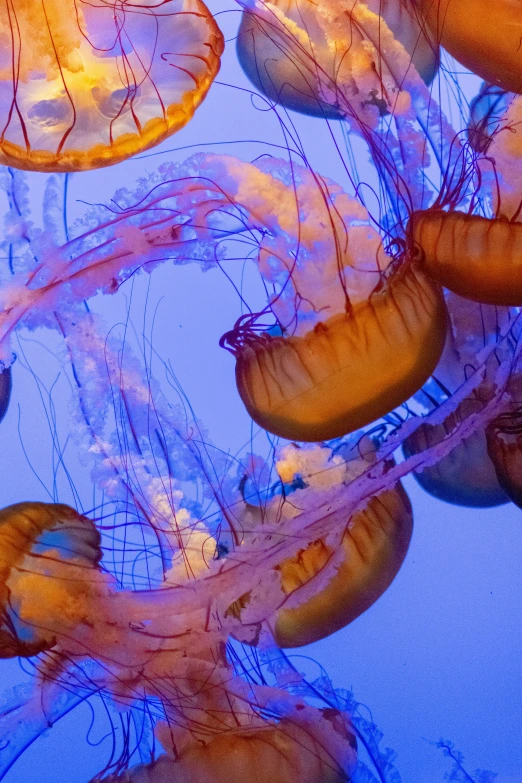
(374, 547)
(483, 35)
(341, 582)
(85, 85)
(349, 370)
(324, 751)
(475, 257)
(285, 753)
(43, 546)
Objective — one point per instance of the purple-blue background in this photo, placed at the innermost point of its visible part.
(440, 654)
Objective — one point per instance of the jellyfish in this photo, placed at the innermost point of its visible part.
(474, 256)
(281, 754)
(312, 404)
(333, 317)
(475, 253)
(370, 552)
(85, 85)
(47, 554)
(467, 475)
(333, 323)
(482, 36)
(286, 51)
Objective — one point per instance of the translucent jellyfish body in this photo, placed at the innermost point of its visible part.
(302, 54)
(46, 554)
(347, 371)
(483, 36)
(5, 391)
(85, 85)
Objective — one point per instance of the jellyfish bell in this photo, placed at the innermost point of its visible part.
(288, 54)
(476, 257)
(348, 371)
(283, 67)
(286, 753)
(484, 36)
(466, 476)
(322, 751)
(5, 391)
(46, 550)
(352, 575)
(373, 549)
(86, 85)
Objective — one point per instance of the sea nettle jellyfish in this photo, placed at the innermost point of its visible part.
(338, 321)
(466, 476)
(371, 551)
(299, 53)
(85, 85)
(473, 253)
(47, 554)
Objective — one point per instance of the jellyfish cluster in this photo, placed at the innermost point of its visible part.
(386, 342)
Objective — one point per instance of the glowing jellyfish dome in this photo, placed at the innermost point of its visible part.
(85, 85)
